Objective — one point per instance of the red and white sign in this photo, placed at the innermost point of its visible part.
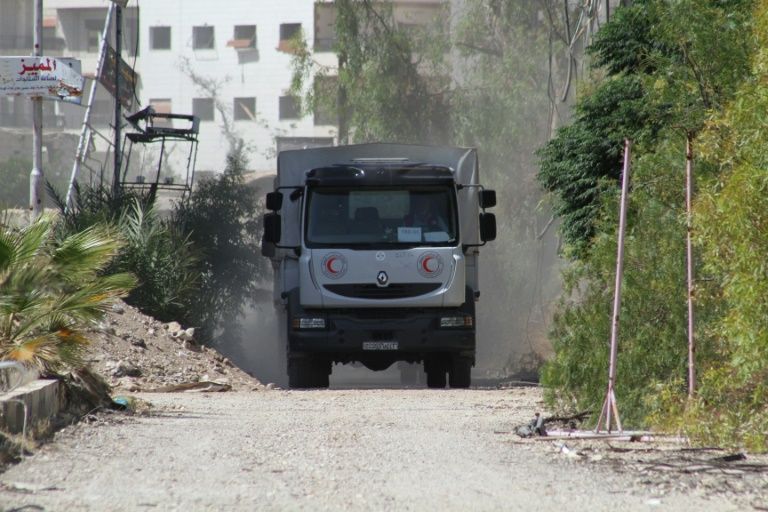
(334, 265)
(41, 76)
(430, 264)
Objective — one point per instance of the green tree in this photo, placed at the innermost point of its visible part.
(223, 220)
(383, 89)
(52, 290)
(670, 66)
(731, 228)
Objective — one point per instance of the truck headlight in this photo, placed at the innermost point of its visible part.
(456, 321)
(308, 323)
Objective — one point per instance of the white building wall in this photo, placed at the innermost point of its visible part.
(265, 75)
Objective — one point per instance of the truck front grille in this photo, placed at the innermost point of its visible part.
(393, 291)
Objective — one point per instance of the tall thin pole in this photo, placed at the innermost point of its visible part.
(689, 263)
(609, 405)
(118, 51)
(82, 145)
(36, 175)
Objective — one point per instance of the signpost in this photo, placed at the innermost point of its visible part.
(41, 77)
(127, 78)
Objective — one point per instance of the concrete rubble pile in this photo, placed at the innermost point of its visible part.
(135, 352)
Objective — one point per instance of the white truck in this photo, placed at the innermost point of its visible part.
(375, 256)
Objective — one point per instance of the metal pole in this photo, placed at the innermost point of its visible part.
(84, 132)
(689, 257)
(609, 406)
(118, 52)
(36, 175)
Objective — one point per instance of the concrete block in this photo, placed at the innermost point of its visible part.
(44, 399)
(14, 374)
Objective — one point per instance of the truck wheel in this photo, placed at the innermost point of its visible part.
(436, 370)
(460, 374)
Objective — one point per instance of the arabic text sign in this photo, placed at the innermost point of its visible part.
(128, 78)
(41, 76)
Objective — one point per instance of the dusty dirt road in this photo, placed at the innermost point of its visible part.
(326, 450)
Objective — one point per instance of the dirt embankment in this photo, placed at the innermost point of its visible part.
(135, 352)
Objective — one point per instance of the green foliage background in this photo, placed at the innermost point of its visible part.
(665, 72)
(198, 264)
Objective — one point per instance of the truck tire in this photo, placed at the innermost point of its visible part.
(460, 373)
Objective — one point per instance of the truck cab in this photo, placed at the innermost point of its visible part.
(375, 252)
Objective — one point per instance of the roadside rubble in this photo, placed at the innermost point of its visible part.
(135, 352)
(664, 463)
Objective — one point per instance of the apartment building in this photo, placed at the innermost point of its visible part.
(227, 63)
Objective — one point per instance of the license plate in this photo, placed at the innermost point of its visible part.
(380, 345)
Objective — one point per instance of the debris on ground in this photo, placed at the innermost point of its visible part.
(537, 426)
(134, 352)
(534, 428)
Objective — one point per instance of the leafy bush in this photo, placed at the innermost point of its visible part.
(223, 220)
(163, 259)
(52, 289)
(731, 228)
(664, 84)
(155, 251)
(201, 265)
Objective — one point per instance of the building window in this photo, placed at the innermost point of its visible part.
(93, 30)
(160, 38)
(288, 31)
(245, 109)
(203, 108)
(244, 37)
(203, 38)
(325, 26)
(290, 107)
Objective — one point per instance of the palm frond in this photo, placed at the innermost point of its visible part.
(33, 239)
(88, 251)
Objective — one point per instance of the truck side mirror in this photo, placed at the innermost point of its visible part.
(272, 228)
(487, 227)
(487, 198)
(274, 201)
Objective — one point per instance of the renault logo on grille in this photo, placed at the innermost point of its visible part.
(382, 279)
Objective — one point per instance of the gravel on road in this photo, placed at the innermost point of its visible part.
(379, 449)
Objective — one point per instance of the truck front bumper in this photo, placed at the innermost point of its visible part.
(399, 334)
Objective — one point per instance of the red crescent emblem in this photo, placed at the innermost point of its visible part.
(334, 265)
(425, 264)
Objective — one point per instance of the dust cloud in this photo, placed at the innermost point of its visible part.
(519, 272)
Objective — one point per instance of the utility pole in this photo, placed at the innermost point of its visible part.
(86, 132)
(118, 113)
(36, 175)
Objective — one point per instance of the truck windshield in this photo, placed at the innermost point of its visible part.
(381, 216)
